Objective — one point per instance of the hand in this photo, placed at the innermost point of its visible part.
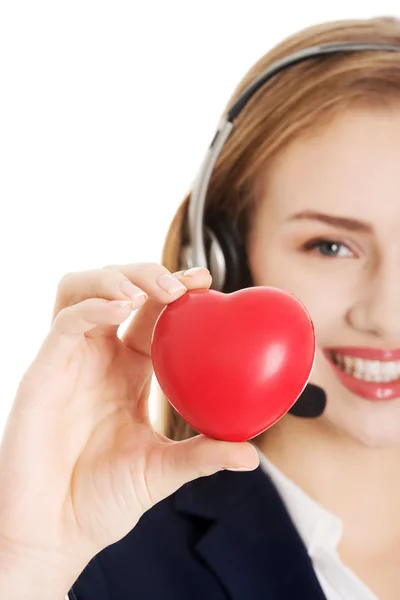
(79, 460)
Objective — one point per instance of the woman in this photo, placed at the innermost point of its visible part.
(97, 503)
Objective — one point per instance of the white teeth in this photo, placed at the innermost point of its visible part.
(348, 364)
(368, 370)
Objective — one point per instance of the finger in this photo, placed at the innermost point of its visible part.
(111, 283)
(138, 334)
(73, 322)
(96, 283)
(134, 281)
(153, 278)
(201, 456)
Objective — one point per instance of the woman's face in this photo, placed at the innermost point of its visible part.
(327, 229)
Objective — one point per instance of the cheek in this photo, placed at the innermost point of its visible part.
(314, 287)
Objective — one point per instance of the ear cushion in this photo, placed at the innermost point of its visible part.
(238, 274)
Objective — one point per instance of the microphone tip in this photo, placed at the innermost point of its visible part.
(311, 403)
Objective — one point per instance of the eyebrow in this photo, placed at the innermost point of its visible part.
(333, 220)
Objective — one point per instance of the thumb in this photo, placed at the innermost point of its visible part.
(200, 456)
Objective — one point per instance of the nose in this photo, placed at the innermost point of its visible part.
(377, 309)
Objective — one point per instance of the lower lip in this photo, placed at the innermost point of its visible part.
(370, 390)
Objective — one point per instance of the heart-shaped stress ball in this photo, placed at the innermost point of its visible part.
(233, 364)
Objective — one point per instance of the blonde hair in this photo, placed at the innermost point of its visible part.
(291, 104)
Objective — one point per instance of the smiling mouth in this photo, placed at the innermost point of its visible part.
(375, 371)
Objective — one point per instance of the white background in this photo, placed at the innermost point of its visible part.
(106, 110)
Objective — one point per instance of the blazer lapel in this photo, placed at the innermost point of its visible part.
(250, 542)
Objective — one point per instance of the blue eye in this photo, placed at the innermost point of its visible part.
(328, 248)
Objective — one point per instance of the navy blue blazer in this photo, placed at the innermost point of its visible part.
(223, 537)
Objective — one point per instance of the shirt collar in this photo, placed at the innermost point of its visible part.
(319, 529)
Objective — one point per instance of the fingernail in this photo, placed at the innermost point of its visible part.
(194, 271)
(169, 284)
(121, 303)
(133, 304)
(133, 292)
(139, 300)
(239, 469)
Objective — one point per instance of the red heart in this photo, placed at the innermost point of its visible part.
(233, 364)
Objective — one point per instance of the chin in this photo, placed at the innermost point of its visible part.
(374, 441)
(369, 424)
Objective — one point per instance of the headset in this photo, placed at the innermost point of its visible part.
(214, 242)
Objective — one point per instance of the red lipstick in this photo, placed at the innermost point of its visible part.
(370, 390)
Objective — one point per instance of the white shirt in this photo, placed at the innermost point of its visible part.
(321, 532)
